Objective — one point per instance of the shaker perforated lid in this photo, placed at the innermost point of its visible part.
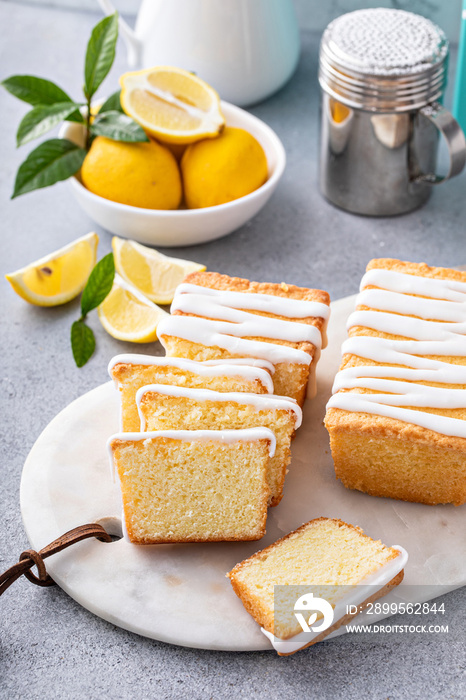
(383, 60)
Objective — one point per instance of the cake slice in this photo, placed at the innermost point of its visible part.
(193, 486)
(397, 419)
(214, 316)
(324, 559)
(162, 407)
(130, 372)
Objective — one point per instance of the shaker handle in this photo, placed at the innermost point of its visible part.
(454, 136)
(133, 44)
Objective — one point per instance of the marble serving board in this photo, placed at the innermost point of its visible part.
(179, 593)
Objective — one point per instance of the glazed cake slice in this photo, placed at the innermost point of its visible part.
(162, 407)
(397, 419)
(193, 486)
(217, 317)
(327, 558)
(131, 371)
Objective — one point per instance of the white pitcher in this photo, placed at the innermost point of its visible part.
(245, 49)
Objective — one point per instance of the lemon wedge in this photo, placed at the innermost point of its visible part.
(127, 315)
(58, 277)
(171, 104)
(152, 273)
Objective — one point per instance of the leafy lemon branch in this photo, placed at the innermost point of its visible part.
(58, 159)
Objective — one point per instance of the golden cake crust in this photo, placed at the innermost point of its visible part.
(417, 269)
(214, 280)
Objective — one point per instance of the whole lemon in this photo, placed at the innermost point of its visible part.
(139, 174)
(222, 169)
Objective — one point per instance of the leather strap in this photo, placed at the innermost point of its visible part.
(30, 557)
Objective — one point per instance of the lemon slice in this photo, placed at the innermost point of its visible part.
(127, 315)
(171, 104)
(155, 275)
(60, 276)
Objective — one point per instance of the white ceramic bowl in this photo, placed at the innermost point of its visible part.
(184, 227)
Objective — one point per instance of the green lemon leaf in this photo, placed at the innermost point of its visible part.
(98, 285)
(118, 127)
(82, 343)
(38, 91)
(112, 103)
(100, 53)
(52, 161)
(42, 119)
(35, 91)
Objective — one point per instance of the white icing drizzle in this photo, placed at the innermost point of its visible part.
(226, 437)
(268, 303)
(224, 335)
(398, 351)
(440, 331)
(247, 324)
(253, 361)
(223, 319)
(380, 406)
(412, 306)
(402, 283)
(418, 328)
(356, 596)
(445, 374)
(259, 401)
(247, 368)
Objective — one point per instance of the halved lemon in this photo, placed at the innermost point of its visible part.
(152, 273)
(58, 277)
(127, 315)
(171, 104)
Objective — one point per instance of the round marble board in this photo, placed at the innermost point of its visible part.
(178, 593)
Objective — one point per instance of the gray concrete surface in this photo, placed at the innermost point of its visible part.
(50, 646)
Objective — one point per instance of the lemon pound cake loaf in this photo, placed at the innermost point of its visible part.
(218, 317)
(327, 559)
(162, 407)
(397, 419)
(132, 371)
(193, 486)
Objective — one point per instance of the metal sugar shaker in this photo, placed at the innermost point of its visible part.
(383, 73)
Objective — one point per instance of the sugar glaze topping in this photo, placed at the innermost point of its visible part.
(222, 318)
(260, 402)
(269, 303)
(217, 333)
(253, 361)
(249, 368)
(439, 330)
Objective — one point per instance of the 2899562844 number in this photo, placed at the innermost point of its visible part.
(401, 608)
